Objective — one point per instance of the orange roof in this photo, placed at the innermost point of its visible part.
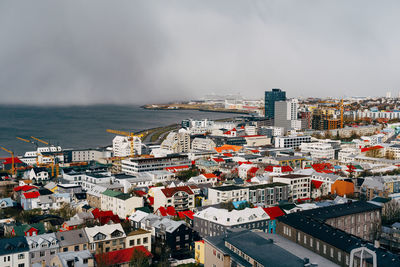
(228, 148)
(342, 188)
(209, 175)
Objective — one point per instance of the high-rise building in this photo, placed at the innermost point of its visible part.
(286, 115)
(388, 94)
(270, 98)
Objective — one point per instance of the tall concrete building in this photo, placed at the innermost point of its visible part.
(286, 115)
(270, 98)
(177, 142)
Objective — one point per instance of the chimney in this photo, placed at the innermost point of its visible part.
(43, 263)
(377, 244)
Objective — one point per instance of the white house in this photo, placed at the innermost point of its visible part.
(299, 184)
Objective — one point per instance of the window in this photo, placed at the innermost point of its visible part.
(324, 248)
(85, 261)
(21, 256)
(42, 253)
(298, 236)
(311, 242)
(52, 252)
(131, 243)
(76, 248)
(21, 265)
(186, 237)
(305, 239)
(138, 242)
(178, 238)
(339, 256)
(331, 252)
(32, 255)
(65, 249)
(145, 240)
(114, 242)
(347, 260)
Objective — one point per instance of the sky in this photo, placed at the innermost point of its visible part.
(135, 52)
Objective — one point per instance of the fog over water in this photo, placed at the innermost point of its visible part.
(126, 51)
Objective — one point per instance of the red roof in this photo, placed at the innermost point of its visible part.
(151, 201)
(227, 154)
(171, 211)
(177, 168)
(209, 175)
(169, 192)
(105, 216)
(218, 160)
(121, 256)
(24, 188)
(9, 161)
(253, 170)
(245, 162)
(255, 151)
(365, 149)
(283, 168)
(140, 193)
(274, 212)
(33, 194)
(187, 213)
(162, 211)
(317, 184)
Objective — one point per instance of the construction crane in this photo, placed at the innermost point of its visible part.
(32, 142)
(340, 106)
(53, 165)
(39, 140)
(131, 138)
(12, 159)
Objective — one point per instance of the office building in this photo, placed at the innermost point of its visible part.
(270, 98)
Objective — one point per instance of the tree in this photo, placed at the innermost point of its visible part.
(390, 154)
(66, 211)
(227, 205)
(139, 259)
(391, 212)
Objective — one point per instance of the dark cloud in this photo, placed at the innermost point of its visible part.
(94, 51)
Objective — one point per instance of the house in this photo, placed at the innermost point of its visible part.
(52, 186)
(321, 184)
(122, 257)
(221, 194)
(7, 188)
(139, 237)
(67, 259)
(28, 229)
(14, 252)
(105, 217)
(199, 251)
(120, 203)
(105, 238)
(180, 197)
(273, 213)
(38, 174)
(342, 188)
(213, 221)
(73, 241)
(299, 185)
(204, 179)
(268, 194)
(278, 170)
(42, 247)
(7, 203)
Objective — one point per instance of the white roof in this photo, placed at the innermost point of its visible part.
(107, 230)
(234, 217)
(138, 215)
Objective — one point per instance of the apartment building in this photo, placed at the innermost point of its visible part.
(332, 243)
(136, 165)
(321, 184)
(122, 146)
(206, 144)
(180, 197)
(177, 142)
(73, 240)
(105, 238)
(299, 185)
(14, 252)
(213, 221)
(291, 141)
(268, 194)
(73, 259)
(318, 150)
(139, 237)
(119, 203)
(42, 247)
(221, 194)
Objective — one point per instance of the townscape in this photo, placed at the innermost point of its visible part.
(283, 182)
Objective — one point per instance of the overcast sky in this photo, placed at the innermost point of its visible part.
(89, 52)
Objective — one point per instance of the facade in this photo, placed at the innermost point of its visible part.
(136, 165)
(177, 142)
(139, 237)
(299, 185)
(122, 146)
(213, 222)
(318, 150)
(42, 248)
(67, 259)
(330, 242)
(286, 115)
(268, 194)
(14, 252)
(270, 98)
(291, 141)
(221, 194)
(203, 144)
(105, 238)
(321, 184)
(72, 241)
(271, 131)
(120, 203)
(181, 198)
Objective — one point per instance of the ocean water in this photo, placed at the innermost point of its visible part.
(83, 126)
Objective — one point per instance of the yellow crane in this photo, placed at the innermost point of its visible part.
(29, 141)
(12, 159)
(39, 140)
(340, 106)
(131, 138)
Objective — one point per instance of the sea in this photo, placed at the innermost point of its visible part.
(83, 126)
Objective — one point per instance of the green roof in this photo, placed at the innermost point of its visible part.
(123, 196)
(21, 229)
(111, 193)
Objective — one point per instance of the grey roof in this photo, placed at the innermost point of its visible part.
(339, 210)
(76, 256)
(227, 188)
(263, 250)
(337, 238)
(72, 237)
(49, 239)
(13, 245)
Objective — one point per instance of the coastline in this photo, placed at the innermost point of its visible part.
(167, 107)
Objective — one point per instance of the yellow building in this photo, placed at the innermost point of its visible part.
(199, 251)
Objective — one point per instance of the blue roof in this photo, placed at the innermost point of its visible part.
(13, 245)
(9, 202)
(236, 204)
